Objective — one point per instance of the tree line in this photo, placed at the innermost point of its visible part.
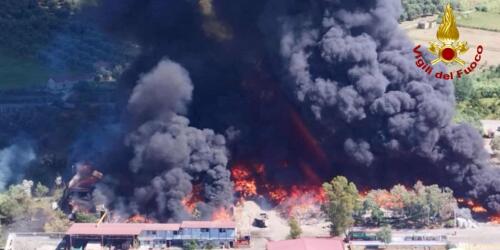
(413, 9)
(54, 32)
(478, 96)
(400, 207)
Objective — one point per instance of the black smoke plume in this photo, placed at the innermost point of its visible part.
(324, 85)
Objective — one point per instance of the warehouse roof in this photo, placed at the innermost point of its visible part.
(137, 228)
(307, 244)
(104, 229)
(208, 224)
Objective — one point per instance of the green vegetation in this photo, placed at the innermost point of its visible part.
(18, 208)
(42, 38)
(28, 25)
(58, 223)
(421, 206)
(295, 230)
(86, 218)
(481, 5)
(342, 201)
(400, 207)
(19, 71)
(41, 190)
(480, 20)
(413, 9)
(190, 245)
(376, 215)
(478, 97)
(385, 234)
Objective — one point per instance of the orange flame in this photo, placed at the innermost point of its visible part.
(137, 218)
(473, 205)
(495, 219)
(222, 214)
(244, 183)
(297, 200)
(189, 202)
(249, 182)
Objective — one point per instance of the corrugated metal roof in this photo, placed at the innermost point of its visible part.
(136, 228)
(307, 244)
(104, 229)
(161, 226)
(208, 224)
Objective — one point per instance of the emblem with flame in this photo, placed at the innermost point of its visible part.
(449, 47)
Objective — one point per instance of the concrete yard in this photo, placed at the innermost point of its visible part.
(33, 241)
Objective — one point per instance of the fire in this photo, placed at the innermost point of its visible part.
(137, 218)
(189, 202)
(473, 205)
(222, 214)
(298, 201)
(278, 195)
(243, 181)
(478, 209)
(386, 200)
(495, 219)
(294, 201)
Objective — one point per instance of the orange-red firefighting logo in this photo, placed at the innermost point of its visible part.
(448, 49)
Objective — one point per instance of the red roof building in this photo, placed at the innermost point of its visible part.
(152, 235)
(307, 244)
(118, 228)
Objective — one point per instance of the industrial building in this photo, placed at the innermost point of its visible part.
(367, 240)
(152, 235)
(307, 244)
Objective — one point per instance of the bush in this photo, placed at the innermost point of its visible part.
(449, 223)
(482, 8)
(413, 9)
(463, 88)
(85, 218)
(295, 230)
(190, 245)
(41, 190)
(385, 235)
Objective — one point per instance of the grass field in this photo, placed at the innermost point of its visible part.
(480, 20)
(492, 5)
(20, 72)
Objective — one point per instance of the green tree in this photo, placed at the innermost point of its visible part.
(295, 230)
(58, 222)
(14, 203)
(342, 201)
(463, 88)
(41, 190)
(190, 245)
(86, 218)
(370, 206)
(384, 235)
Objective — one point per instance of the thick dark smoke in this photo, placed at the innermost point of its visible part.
(176, 154)
(380, 102)
(324, 85)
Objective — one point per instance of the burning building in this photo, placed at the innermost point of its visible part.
(77, 196)
(273, 98)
